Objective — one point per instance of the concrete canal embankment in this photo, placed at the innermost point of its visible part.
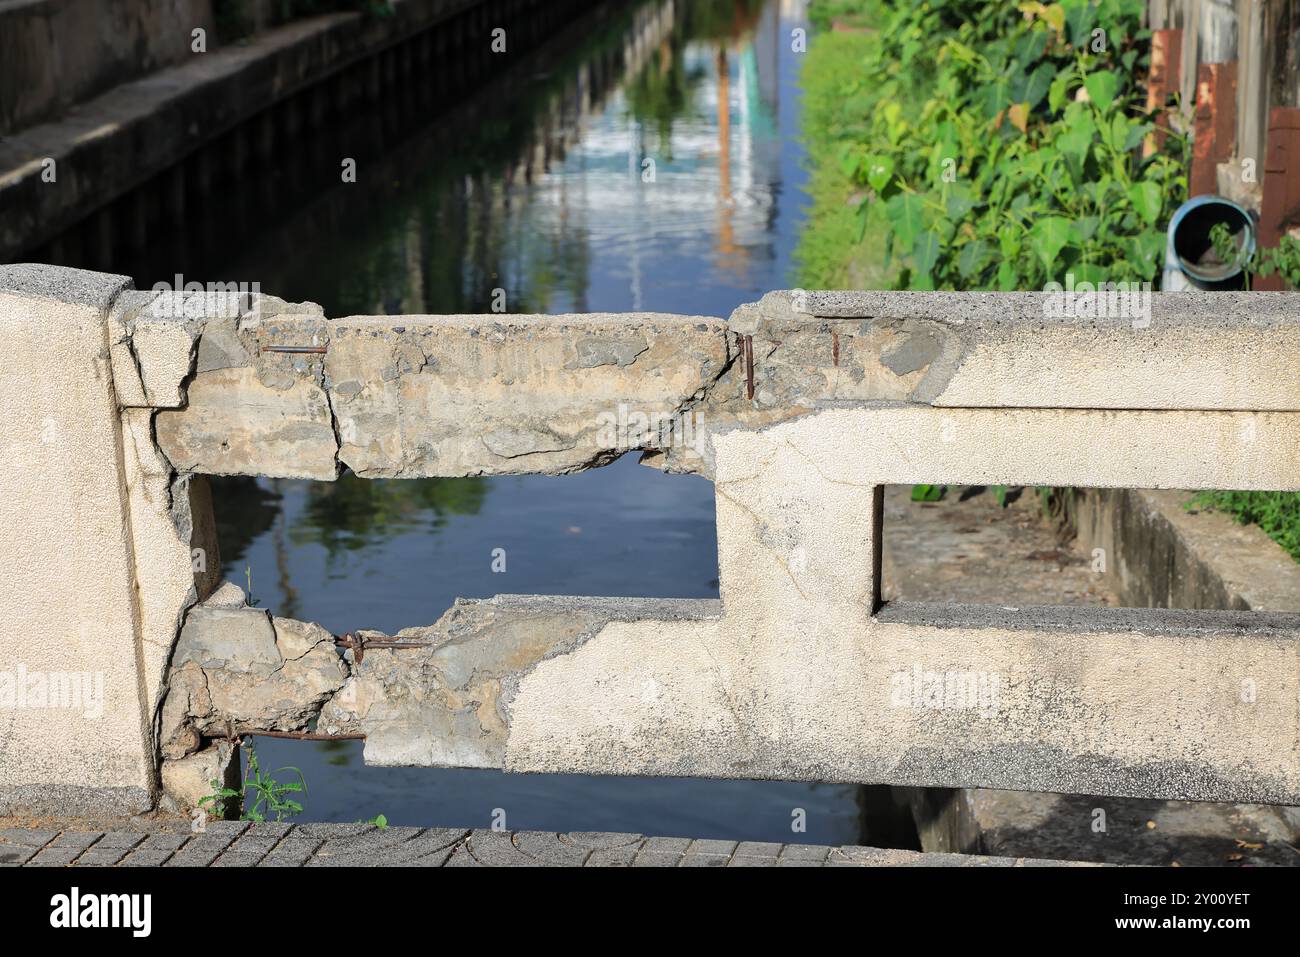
(258, 99)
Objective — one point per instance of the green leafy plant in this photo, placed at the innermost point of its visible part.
(223, 801)
(1277, 513)
(270, 797)
(998, 146)
(261, 797)
(1283, 259)
(928, 493)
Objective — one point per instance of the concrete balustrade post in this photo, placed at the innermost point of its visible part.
(97, 549)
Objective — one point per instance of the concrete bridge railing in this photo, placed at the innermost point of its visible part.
(800, 408)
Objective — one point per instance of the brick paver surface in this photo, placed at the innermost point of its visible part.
(235, 844)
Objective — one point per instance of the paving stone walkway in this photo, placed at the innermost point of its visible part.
(238, 844)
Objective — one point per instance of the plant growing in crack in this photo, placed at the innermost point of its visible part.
(261, 797)
(248, 577)
(270, 798)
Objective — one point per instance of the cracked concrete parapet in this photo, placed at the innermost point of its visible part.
(152, 339)
(448, 704)
(416, 396)
(173, 540)
(796, 675)
(252, 411)
(422, 396)
(238, 669)
(800, 679)
(1040, 350)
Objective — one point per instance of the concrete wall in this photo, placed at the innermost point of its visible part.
(798, 672)
(55, 53)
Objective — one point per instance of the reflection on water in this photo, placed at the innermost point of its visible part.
(352, 514)
(672, 807)
(389, 554)
(642, 172)
(650, 164)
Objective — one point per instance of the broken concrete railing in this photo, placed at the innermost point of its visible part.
(800, 408)
(419, 396)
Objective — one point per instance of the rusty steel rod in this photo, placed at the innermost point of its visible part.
(359, 644)
(304, 735)
(749, 366)
(319, 350)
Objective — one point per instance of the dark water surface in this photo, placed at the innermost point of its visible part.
(543, 193)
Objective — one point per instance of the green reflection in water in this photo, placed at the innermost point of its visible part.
(340, 753)
(354, 513)
(244, 509)
(349, 514)
(663, 91)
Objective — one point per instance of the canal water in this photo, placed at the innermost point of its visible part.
(652, 164)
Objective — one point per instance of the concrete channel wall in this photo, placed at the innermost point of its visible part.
(800, 408)
(1161, 551)
(153, 136)
(56, 53)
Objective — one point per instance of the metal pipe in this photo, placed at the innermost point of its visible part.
(1190, 258)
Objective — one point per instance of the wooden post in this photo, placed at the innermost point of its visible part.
(1215, 139)
(1281, 208)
